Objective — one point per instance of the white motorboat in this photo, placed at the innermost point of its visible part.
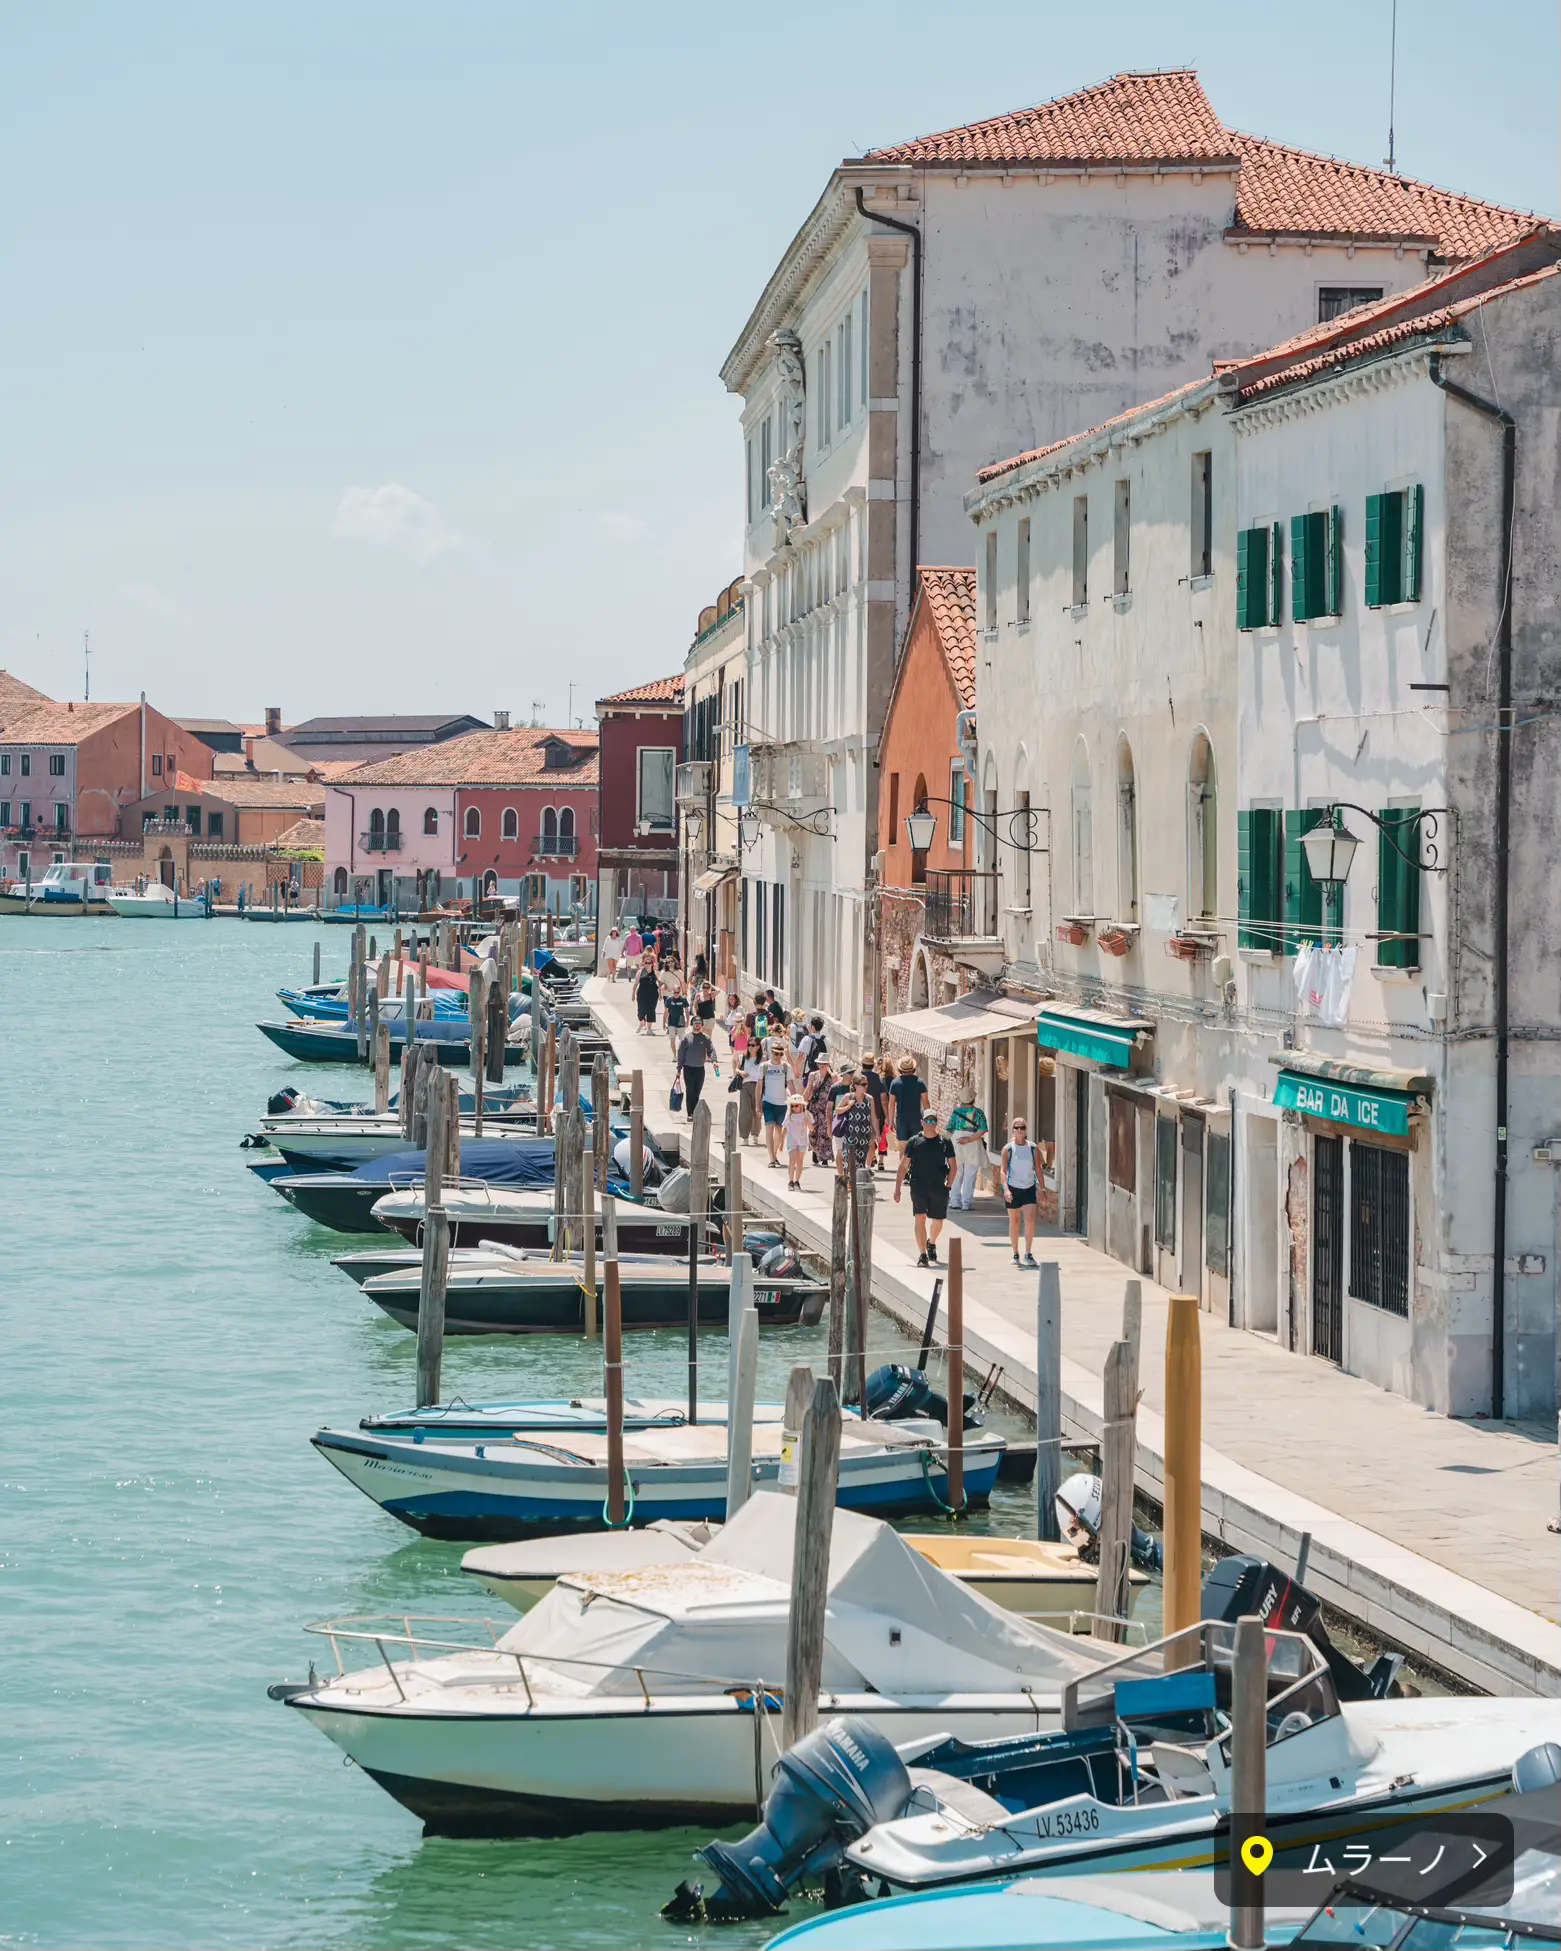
(649, 1697)
(524, 1573)
(151, 901)
(65, 885)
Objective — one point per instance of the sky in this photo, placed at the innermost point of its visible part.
(366, 356)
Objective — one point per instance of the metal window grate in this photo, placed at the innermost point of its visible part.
(1379, 1227)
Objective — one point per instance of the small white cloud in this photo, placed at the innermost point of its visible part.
(396, 518)
(622, 527)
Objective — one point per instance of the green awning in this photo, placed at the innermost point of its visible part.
(1344, 1104)
(1098, 1038)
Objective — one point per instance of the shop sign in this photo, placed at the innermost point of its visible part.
(1344, 1104)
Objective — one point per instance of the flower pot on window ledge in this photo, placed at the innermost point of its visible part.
(1076, 932)
(1117, 940)
(1188, 948)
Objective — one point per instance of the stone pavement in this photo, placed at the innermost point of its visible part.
(1430, 1530)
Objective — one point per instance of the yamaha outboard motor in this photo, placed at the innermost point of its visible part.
(1078, 1511)
(758, 1241)
(831, 1788)
(1237, 1587)
(281, 1102)
(896, 1393)
(782, 1263)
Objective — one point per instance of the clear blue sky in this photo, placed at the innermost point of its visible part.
(364, 356)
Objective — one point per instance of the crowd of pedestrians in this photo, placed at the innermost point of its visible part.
(803, 1106)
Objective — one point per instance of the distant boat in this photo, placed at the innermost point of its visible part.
(82, 885)
(151, 901)
(328, 1004)
(345, 1201)
(495, 1213)
(317, 1042)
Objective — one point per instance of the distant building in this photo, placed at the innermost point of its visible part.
(641, 741)
(500, 812)
(241, 811)
(221, 734)
(69, 771)
(363, 740)
(714, 678)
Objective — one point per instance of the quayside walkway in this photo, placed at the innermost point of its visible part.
(1431, 1531)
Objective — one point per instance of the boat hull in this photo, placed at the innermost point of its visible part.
(560, 1771)
(463, 1494)
(499, 1304)
(50, 904)
(311, 1043)
(472, 1225)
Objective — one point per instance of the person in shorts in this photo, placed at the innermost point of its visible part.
(927, 1160)
(675, 1006)
(774, 1098)
(796, 1139)
(1017, 1170)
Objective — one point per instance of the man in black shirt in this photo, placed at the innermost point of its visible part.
(928, 1160)
(694, 1052)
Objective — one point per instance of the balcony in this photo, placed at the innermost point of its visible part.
(377, 842)
(695, 782)
(555, 846)
(961, 906)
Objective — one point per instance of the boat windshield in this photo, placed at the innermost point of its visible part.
(1195, 1665)
(1395, 1929)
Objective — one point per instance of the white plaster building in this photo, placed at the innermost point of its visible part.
(947, 300)
(715, 676)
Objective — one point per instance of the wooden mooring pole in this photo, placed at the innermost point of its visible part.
(839, 1278)
(739, 1404)
(1183, 1466)
(819, 1477)
(382, 1069)
(698, 1203)
(601, 1122)
(612, 1362)
(799, 1393)
(636, 1134)
(1248, 1778)
(436, 1250)
(1113, 1585)
(1048, 1400)
(956, 1428)
(477, 1034)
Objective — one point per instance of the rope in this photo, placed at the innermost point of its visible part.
(948, 1510)
(628, 1516)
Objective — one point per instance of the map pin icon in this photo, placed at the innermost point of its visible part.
(1257, 1852)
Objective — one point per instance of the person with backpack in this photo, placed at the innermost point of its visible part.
(774, 1098)
(811, 1045)
(1019, 1174)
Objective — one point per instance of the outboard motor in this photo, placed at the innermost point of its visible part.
(1237, 1587)
(896, 1393)
(281, 1102)
(758, 1241)
(831, 1788)
(782, 1263)
(672, 1195)
(1078, 1509)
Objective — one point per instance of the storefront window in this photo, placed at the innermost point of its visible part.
(1216, 1226)
(1379, 1227)
(1122, 1156)
(1165, 1182)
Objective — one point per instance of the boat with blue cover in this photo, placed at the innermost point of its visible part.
(319, 1042)
(311, 1005)
(345, 1201)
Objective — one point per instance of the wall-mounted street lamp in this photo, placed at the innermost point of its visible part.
(1018, 828)
(693, 826)
(1330, 846)
(747, 829)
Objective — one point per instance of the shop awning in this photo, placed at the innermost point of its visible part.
(1090, 1033)
(1366, 1108)
(712, 878)
(934, 1031)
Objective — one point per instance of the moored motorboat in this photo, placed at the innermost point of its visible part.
(345, 1201)
(151, 901)
(318, 1042)
(641, 1699)
(513, 1486)
(343, 1144)
(1030, 1575)
(494, 1213)
(69, 886)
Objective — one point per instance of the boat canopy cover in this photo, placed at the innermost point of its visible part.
(501, 1161)
(893, 1623)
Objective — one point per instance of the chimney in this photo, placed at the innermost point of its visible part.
(501, 721)
(249, 753)
(273, 720)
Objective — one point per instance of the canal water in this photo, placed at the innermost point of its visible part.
(173, 1333)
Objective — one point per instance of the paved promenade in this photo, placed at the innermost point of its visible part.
(1433, 1531)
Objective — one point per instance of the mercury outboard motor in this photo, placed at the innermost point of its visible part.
(1237, 1587)
(281, 1102)
(895, 1393)
(758, 1241)
(782, 1263)
(831, 1788)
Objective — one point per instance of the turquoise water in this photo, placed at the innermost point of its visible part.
(173, 1333)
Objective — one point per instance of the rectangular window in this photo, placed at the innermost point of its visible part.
(843, 368)
(1259, 577)
(1080, 551)
(959, 786)
(5, 812)
(1258, 878)
(766, 461)
(656, 764)
(26, 819)
(1379, 1226)
(862, 389)
(157, 765)
(1202, 523)
(894, 810)
(1121, 537)
(62, 817)
(171, 815)
(1216, 1225)
(1393, 528)
(1122, 1145)
(778, 935)
(1022, 573)
(760, 932)
(214, 826)
(1333, 301)
(57, 765)
(1165, 1150)
(27, 765)
(990, 591)
(743, 923)
(5, 764)
(1317, 564)
(748, 476)
(192, 818)
(1398, 889)
(1308, 915)
(821, 386)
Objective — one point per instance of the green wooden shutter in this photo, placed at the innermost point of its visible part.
(1257, 889)
(1374, 596)
(1414, 527)
(1303, 907)
(1333, 594)
(1300, 556)
(1245, 935)
(1243, 579)
(1398, 891)
(1276, 570)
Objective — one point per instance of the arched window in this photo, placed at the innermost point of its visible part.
(339, 883)
(1083, 834)
(1202, 831)
(431, 819)
(918, 860)
(473, 823)
(1127, 834)
(490, 882)
(393, 827)
(377, 824)
(549, 830)
(566, 830)
(509, 827)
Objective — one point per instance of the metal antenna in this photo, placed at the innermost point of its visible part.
(86, 656)
(1392, 157)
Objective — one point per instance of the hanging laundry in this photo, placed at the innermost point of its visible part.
(1311, 970)
(1339, 977)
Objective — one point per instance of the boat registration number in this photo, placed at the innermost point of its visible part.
(668, 1232)
(1069, 1822)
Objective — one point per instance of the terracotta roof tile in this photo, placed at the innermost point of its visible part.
(16, 697)
(1166, 118)
(256, 795)
(659, 691)
(1086, 433)
(950, 596)
(1129, 118)
(60, 724)
(302, 833)
(516, 758)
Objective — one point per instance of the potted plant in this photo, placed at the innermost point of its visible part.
(1115, 941)
(1076, 932)
(1186, 948)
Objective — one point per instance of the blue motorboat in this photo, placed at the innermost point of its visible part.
(345, 1201)
(330, 1005)
(319, 1042)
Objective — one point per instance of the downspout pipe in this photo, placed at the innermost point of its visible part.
(1503, 847)
(914, 234)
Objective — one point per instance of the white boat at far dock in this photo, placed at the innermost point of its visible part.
(151, 901)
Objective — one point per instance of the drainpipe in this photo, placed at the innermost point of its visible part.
(914, 234)
(1503, 843)
(352, 833)
(143, 745)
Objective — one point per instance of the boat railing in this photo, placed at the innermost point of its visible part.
(1293, 1662)
(1080, 1620)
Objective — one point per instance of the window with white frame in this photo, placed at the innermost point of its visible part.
(1083, 834)
(654, 813)
(766, 459)
(821, 364)
(959, 788)
(473, 828)
(509, 824)
(1127, 834)
(843, 369)
(862, 351)
(989, 593)
(1022, 573)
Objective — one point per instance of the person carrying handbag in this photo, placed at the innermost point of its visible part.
(694, 1053)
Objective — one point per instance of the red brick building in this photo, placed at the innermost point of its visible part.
(641, 743)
